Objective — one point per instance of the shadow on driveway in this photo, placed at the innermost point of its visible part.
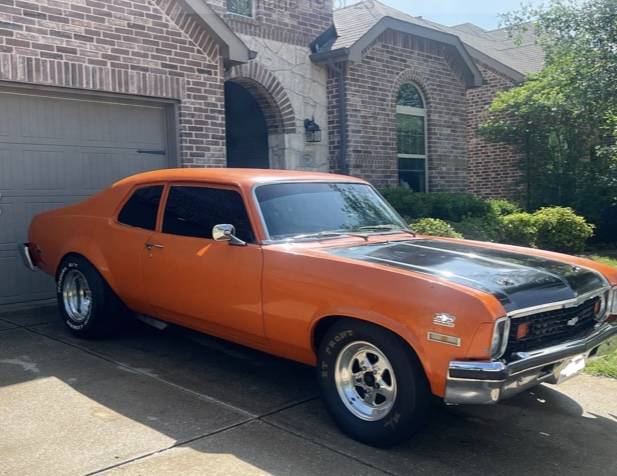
(152, 402)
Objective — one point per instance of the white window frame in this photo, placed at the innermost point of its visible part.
(253, 6)
(418, 112)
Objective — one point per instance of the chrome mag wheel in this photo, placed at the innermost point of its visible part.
(76, 296)
(365, 381)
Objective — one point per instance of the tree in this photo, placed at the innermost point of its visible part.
(564, 118)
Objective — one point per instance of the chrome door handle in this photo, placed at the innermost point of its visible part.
(149, 246)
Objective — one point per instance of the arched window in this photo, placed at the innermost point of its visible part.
(411, 138)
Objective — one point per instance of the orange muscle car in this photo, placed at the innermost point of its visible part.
(318, 268)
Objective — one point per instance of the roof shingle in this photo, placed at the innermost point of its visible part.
(354, 21)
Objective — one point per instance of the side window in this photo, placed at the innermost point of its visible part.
(193, 211)
(141, 209)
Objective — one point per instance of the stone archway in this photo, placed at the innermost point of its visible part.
(268, 105)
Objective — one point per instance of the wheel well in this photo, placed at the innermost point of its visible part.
(324, 324)
(322, 327)
(78, 255)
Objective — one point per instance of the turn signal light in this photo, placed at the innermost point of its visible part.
(522, 331)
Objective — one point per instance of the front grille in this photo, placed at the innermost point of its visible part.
(552, 327)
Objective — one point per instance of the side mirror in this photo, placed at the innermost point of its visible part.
(226, 233)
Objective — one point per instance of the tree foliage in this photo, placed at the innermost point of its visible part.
(564, 118)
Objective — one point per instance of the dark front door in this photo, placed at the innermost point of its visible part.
(247, 133)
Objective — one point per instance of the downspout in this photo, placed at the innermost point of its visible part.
(343, 166)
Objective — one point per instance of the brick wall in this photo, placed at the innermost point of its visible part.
(494, 170)
(372, 88)
(139, 47)
(297, 22)
(334, 123)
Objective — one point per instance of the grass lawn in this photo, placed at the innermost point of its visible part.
(606, 365)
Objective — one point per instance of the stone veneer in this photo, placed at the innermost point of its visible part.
(304, 84)
(283, 78)
(137, 47)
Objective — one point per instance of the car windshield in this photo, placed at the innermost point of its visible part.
(322, 210)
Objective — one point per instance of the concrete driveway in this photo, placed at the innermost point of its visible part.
(174, 402)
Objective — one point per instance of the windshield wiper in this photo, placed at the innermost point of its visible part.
(327, 234)
(386, 228)
(356, 232)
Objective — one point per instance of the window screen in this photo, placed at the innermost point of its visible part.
(141, 209)
(194, 211)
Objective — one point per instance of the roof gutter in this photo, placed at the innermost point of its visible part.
(233, 49)
(340, 54)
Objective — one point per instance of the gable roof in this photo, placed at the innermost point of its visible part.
(524, 57)
(357, 26)
(354, 23)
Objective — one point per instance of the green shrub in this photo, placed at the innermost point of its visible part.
(555, 229)
(560, 229)
(502, 207)
(410, 205)
(434, 227)
(481, 229)
(519, 229)
(457, 206)
(445, 206)
(460, 214)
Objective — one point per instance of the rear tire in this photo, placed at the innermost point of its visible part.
(372, 383)
(88, 306)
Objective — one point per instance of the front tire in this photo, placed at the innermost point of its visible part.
(88, 306)
(372, 383)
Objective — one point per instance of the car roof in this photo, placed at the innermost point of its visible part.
(239, 177)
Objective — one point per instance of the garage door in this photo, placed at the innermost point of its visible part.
(55, 151)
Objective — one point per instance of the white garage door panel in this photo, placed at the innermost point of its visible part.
(57, 151)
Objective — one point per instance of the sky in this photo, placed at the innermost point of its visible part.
(484, 13)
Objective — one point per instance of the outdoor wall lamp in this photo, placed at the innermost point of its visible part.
(312, 131)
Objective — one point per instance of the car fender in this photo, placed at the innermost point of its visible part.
(393, 325)
(89, 249)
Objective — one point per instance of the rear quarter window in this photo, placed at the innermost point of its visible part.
(141, 209)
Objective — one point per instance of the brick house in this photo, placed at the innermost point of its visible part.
(93, 90)
(415, 92)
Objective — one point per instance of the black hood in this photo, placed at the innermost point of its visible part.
(519, 281)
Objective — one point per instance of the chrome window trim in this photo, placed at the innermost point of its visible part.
(269, 241)
(577, 301)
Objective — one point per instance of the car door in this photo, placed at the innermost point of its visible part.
(124, 239)
(195, 281)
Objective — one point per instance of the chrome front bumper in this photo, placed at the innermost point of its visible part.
(489, 382)
(24, 252)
